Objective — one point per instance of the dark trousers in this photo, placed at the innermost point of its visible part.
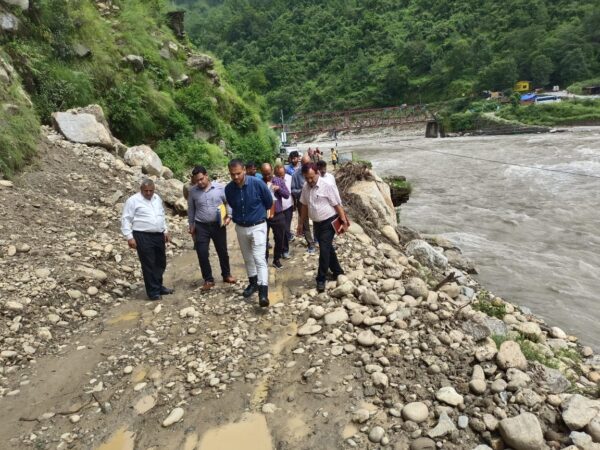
(288, 214)
(277, 224)
(328, 260)
(306, 225)
(204, 233)
(153, 258)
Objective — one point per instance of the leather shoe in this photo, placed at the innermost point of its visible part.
(166, 291)
(229, 279)
(208, 285)
(320, 286)
(155, 297)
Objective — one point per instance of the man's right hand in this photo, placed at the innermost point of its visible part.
(192, 229)
(299, 230)
(132, 244)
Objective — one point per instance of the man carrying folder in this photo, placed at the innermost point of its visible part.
(208, 217)
(321, 202)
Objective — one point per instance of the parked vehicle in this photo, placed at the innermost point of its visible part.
(541, 99)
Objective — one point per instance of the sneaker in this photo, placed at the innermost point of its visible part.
(277, 264)
(286, 255)
(311, 250)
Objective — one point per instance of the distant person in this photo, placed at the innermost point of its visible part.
(326, 176)
(293, 163)
(250, 198)
(334, 158)
(252, 170)
(297, 185)
(288, 210)
(206, 199)
(317, 155)
(276, 216)
(311, 153)
(321, 203)
(143, 225)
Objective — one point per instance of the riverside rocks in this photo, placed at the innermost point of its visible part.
(522, 432)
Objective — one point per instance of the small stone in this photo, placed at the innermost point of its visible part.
(522, 432)
(444, 426)
(415, 411)
(510, 355)
(11, 251)
(463, 422)
(366, 338)
(423, 443)
(376, 434)
(269, 408)
(310, 327)
(175, 416)
(380, 379)
(92, 290)
(42, 273)
(75, 418)
(337, 316)
(557, 333)
(498, 385)
(449, 396)
(89, 313)
(127, 370)
(477, 386)
(361, 416)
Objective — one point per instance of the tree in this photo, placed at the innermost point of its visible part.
(541, 69)
(499, 75)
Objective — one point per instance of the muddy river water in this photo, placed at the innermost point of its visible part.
(533, 234)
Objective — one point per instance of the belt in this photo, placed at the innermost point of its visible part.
(206, 223)
(248, 225)
(149, 232)
(327, 220)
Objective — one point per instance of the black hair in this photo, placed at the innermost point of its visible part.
(294, 154)
(235, 163)
(198, 169)
(321, 164)
(307, 167)
(250, 164)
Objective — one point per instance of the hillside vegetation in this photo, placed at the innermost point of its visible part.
(69, 53)
(311, 55)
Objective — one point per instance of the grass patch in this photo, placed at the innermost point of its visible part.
(488, 306)
(552, 114)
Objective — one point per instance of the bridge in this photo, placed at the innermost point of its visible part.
(309, 124)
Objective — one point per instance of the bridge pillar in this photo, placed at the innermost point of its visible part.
(432, 130)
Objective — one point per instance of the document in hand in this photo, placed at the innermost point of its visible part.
(221, 214)
(338, 225)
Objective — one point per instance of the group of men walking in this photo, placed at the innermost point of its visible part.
(258, 203)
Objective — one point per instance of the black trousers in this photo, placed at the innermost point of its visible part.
(205, 232)
(328, 260)
(288, 214)
(277, 224)
(153, 258)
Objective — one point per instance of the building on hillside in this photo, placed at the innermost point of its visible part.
(591, 90)
(522, 86)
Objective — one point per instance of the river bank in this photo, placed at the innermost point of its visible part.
(530, 232)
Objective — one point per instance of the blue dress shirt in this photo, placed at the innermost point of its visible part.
(250, 202)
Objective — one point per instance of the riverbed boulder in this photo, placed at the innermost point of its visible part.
(522, 432)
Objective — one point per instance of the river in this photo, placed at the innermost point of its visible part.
(533, 234)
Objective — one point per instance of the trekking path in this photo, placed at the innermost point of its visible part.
(119, 380)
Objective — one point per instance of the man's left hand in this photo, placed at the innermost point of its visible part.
(227, 221)
(167, 238)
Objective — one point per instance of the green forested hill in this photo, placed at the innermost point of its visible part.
(308, 55)
(69, 53)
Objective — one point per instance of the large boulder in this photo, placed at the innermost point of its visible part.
(144, 157)
(23, 4)
(171, 193)
(200, 62)
(135, 61)
(578, 411)
(83, 128)
(8, 22)
(375, 197)
(6, 72)
(426, 254)
(510, 356)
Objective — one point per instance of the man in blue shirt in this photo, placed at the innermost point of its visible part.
(249, 199)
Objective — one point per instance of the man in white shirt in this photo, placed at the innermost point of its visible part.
(143, 225)
(288, 209)
(326, 176)
(321, 203)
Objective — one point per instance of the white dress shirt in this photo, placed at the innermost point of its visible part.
(287, 202)
(140, 214)
(329, 178)
(321, 200)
